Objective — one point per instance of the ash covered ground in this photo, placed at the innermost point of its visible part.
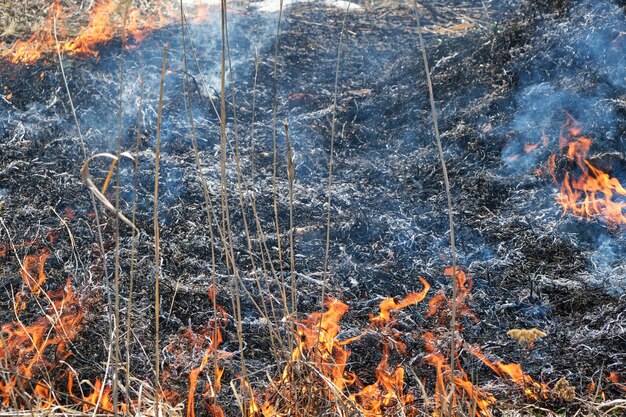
(500, 85)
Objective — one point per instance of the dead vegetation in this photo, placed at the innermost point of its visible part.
(266, 333)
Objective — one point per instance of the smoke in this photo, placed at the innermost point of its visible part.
(577, 69)
(574, 64)
(607, 266)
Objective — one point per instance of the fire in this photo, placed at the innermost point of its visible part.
(318, 334)
(42, 394)
(32, 271)
(317, 374)
(196, 353)
(389, 304)
(531, 147)
(35, 348)
(593, 193)
(388, 390)
(386, 393)
(615, 380)
(100, 397)
(98, 30)
(212, 332)
(106, 22)
(320, 349)
(32, 346)
(463, 385)
(532, 389)
(315, 377)
(437, 343)
(441, 304)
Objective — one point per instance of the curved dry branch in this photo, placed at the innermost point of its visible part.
(84, 172)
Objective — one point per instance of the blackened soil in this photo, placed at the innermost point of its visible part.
(497, 87)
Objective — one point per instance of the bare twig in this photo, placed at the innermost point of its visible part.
(446, 181)
(133, 245)
(157, 243)
(96, 192)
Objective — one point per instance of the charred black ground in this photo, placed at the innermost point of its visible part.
(497, 88)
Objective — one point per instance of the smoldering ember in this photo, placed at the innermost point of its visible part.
(313, 208)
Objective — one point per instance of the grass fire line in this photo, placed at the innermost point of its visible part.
(103, 25)
(316, 377)
(416, 370)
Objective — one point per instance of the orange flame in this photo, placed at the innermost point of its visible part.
(32, 346)
(43, 395)
(463, 385)
(319, 340)
(103, 401)
(531, 147)
(213, 334)
(35, 348)
(594, 193)
(514, 371)
(390, 304)
(105, 23)
(388, 390)
(442, 304)
(385, 393)
(32, 271)
(615, 379)
(319, 347)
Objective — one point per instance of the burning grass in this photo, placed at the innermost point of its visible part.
(316, 378)
(585, 190)
(106, 20)
(34, 353)
(435, 366)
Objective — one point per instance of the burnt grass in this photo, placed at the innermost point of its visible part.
(497, 88)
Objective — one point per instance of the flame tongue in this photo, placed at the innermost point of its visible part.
(99, 30)
(319, 342)
(514, 371)
(441, 304)
(212, 334)
(315, 378)
(321, 329)
(99, 399)
(34, 349)
(443, 371)
(324, 379)
(32, 271)
(31, 346)
(389, 304)
(594, 193)
(105, 23)
(385, 393)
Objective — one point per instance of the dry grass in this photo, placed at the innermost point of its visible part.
(20, 19)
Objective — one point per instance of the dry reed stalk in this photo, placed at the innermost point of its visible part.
(157, 244)
(133, 244)
(226, 224)
(242, 189)
(116, 272)
(444, 169)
